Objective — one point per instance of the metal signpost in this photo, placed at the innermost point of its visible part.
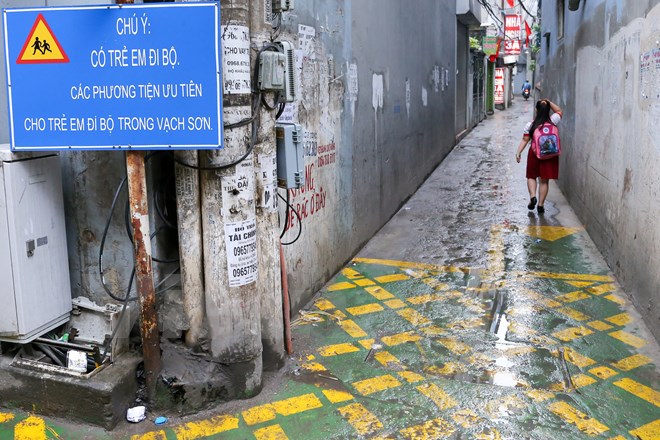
(138, 77)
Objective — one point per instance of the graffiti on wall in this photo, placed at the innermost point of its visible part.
(309, 200)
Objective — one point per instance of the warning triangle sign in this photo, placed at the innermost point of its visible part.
(41, 45)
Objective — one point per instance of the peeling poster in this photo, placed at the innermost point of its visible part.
(235, 59)
(306, 35)
(241, 241)
(268, 169)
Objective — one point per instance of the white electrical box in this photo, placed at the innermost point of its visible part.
(290, 159)
(35, 291)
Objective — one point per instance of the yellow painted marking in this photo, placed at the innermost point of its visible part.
(154, 435)
(364, 282)
(466, 418)
(650, 431)
(603, 288)
(410, 376)
(495, 263)
(362, 420)
(572, 313)
(5, 417)
(324, 304)
(435, 283)
(432, 330)
(621, 319)
(573, 296)
(386, 359)
(423, 299)
(339, 314)
(287, 407)
(584, 423)
(351, 273)
(337, 349)
(413, 316)
(408, 265)
(632, 362)
(314, 366)
(205, 428)
(259, 414)
(400, 338)
(547, 302)
(579, 283)
(455, 346)
(551, 233)
(577, 359)
(32, 428)
(616, 299)
(340, 286)
(367, 343)
(365, 309)
(492, 434)
(392, 278)
(569, 276)
(603, 372)
(467, 323)
(441, 399)
(416, 273)
(336, 396)
(572, 333)
(628, 338)
(540, 395)
(274, 432)
(433, 429)
(379, 293)
(375, 384)
(618, 437)
(582, 380)
(505, 405)
(599, 325)
(395, 304)
(350, 327)
(639, 390)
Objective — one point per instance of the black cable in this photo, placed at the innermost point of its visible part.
(129, 232)
(159, 210)
(105, 234)
(286, 212)
(299, 221)
(280, 110)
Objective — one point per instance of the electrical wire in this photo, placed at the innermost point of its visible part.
(297, 216)
(102, 245)
(286, 213)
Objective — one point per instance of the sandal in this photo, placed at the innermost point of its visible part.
(532, 203)
(541, 209)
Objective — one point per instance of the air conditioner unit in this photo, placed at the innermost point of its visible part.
(290, 87)
(35, 291)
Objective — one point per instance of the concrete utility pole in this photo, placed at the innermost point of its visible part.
(144, 278)
(233, 308)
(269, 283)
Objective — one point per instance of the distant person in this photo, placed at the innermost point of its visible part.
(543, 170)
(526, 86)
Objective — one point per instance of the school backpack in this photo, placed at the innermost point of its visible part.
(545, 141)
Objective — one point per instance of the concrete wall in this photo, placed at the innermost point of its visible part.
(605, 73)
(378, 97)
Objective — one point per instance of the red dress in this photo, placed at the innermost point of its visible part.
(545, 169)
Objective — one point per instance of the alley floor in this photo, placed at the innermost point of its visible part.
(466, 317)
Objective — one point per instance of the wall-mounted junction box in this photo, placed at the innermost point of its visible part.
(282, 5)
(35, 291)
(290, 160)
(277, 72)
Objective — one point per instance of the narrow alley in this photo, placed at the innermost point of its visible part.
(466, 317)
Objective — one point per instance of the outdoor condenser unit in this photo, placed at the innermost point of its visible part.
(35, 291)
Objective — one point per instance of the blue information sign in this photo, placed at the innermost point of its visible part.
(114, 77)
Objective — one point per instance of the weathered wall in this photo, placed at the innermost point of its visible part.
(377, 102)
(605, 73)
(378, 94)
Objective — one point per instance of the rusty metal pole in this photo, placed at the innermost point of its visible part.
(144, 277)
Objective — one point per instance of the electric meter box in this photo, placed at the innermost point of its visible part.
(35, 291)
(290, 160)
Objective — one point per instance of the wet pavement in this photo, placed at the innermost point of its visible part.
(466, 317)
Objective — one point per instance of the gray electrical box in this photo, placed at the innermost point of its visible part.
(272, 67)
(290, 160)
(35, 291)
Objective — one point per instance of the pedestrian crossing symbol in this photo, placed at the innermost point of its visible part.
(41, 45)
